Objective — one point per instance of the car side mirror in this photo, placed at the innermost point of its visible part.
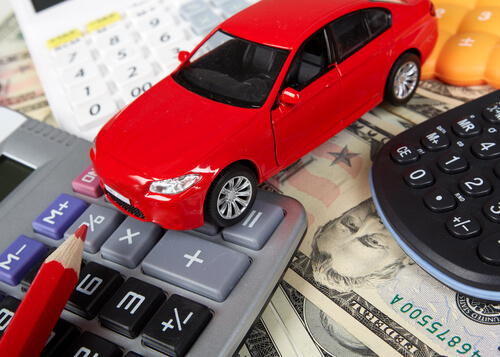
(290, 96)
(183, 55)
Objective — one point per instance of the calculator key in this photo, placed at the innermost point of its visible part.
(72, 55)
(467, 126)
(192, 8)
(198, 265)
(105, 23)
(131, 241)
(440, 200)
(169, 37)
(254, 231)
(486, 148)
(112, 37)
(135, 71)
(475, 185)
(489, 249)
(30, 275)
(452, 162)
(80, 73)
(204, 22)
(89, 344)
(418, 177)
(131, 307)
(86, 91)
(492, 113)
(143, 9)
(58, 216)
(132, 91)
(176, 326)
(117, 56)
(404, 154)
(8, 307)
(95, 113)
(491, 209)
(435, 140)
(462, 225)
(154, 21)
(231, 7)
(18, 259)
(169, 55)
(87, 183)
(481, 19)
(102, 221)
(96, 285)
(63, 335)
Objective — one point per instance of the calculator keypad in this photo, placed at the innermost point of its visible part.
(129, 306)
(112, 60)
(436, 186)
(471, 184)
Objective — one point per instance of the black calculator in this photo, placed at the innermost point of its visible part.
(143, 291)
(437, 189)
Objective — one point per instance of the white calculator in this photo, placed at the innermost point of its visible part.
(94, 57)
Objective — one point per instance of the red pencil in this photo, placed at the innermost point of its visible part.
(36, 316)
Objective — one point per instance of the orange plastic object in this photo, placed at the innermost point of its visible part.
(467, 52)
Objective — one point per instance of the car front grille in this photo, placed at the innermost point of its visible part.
(127, 207)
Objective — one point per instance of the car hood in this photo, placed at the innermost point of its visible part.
(168, 130)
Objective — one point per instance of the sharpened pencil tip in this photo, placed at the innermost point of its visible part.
(81, 232)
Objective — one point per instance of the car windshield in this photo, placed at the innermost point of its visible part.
(231, 70)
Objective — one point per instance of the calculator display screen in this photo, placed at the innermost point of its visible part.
(12, 173)
(40, 5)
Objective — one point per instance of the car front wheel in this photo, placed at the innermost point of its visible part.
(403, 79)
(231, 196)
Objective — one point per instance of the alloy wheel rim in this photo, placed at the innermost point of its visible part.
(234, 197)
(406, 80)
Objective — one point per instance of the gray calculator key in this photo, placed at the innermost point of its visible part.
(204, 22)
(192, 8)
(254, 231)
(231, 7)
(131, 241)
(198, 265)
(102, 221)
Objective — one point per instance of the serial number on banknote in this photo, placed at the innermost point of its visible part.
(434, 328)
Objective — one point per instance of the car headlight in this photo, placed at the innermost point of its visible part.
(175, 185)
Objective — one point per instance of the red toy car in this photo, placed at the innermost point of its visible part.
(264, 88)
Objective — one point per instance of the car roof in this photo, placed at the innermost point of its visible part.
(280, 23)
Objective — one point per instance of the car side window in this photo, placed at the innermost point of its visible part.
(350, 33)
(310, 62)
(378, 20)
(354, 30)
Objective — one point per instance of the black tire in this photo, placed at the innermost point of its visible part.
(230, 196)
(403, 79)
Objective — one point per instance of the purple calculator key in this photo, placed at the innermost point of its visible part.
(58, 216)
(87, 183)
(18, 259)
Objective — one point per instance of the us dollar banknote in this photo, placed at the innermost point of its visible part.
(351, 269)
(20, 88)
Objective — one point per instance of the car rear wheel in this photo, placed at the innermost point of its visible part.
(403, 79)
(231, 196)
